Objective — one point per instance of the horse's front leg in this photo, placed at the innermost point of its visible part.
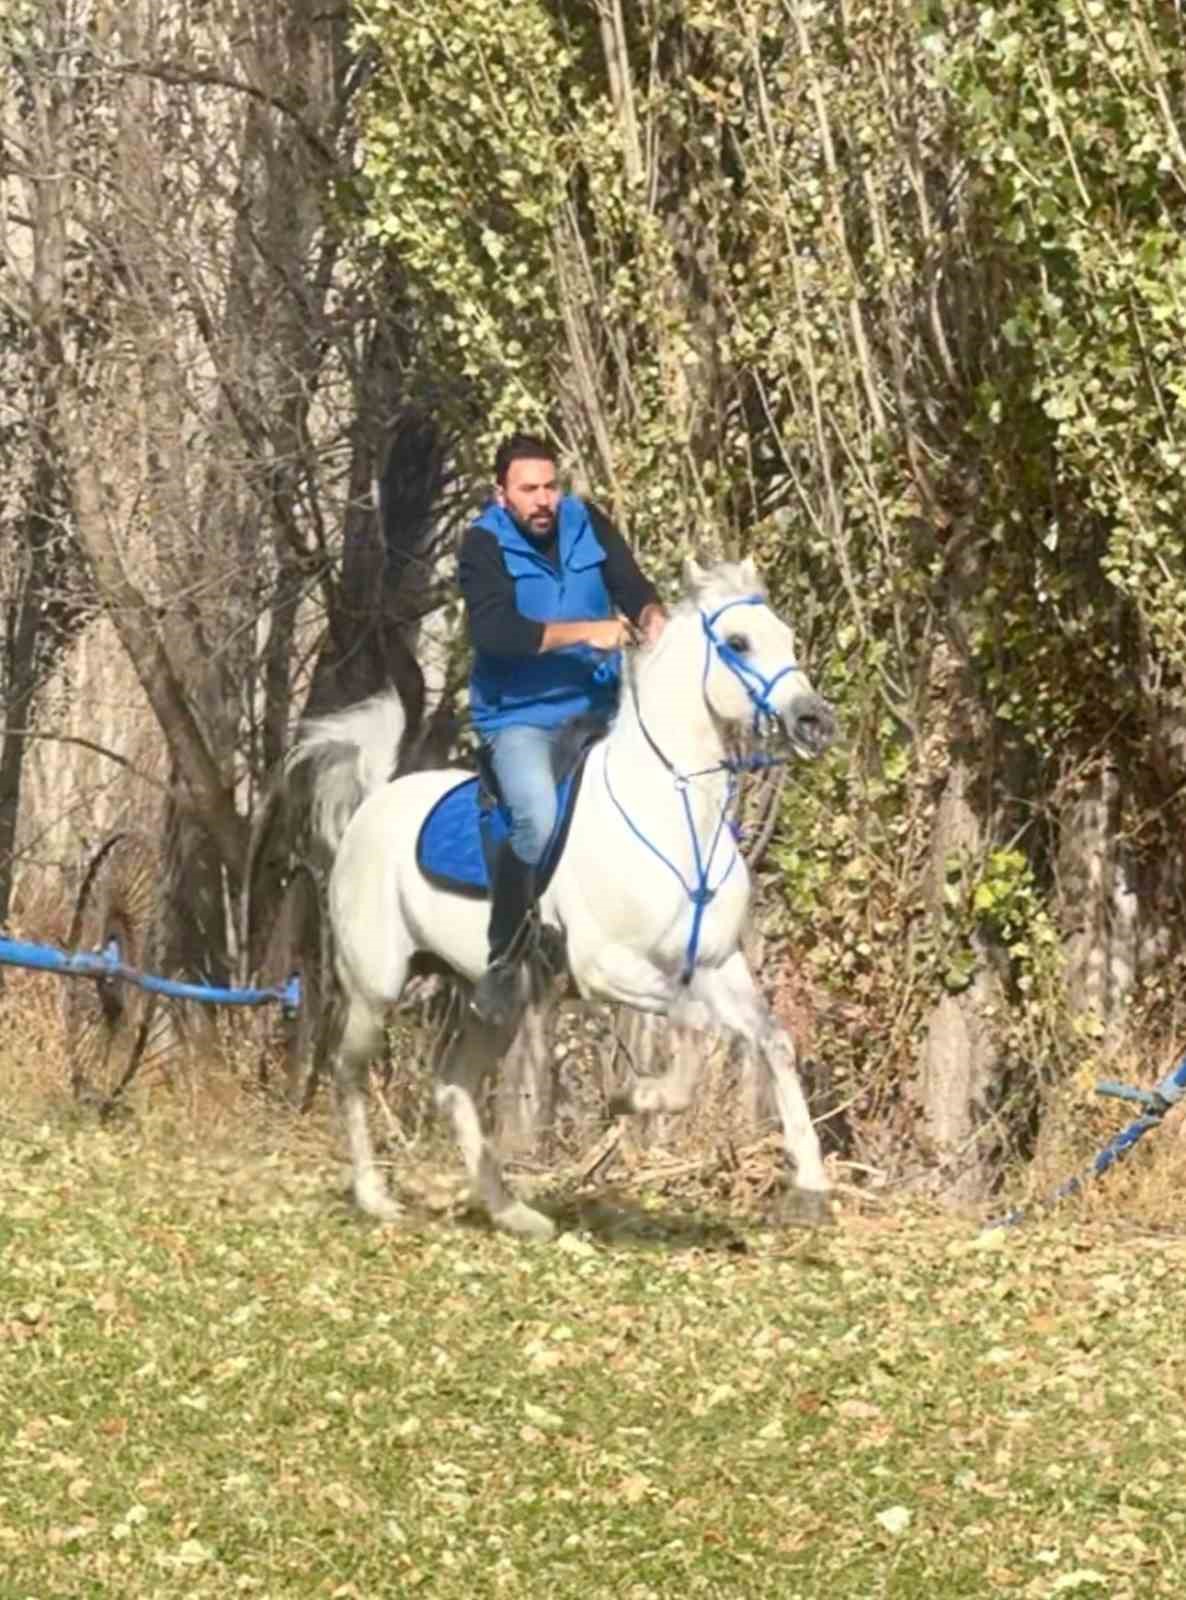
(731, 996)
(477, 1052)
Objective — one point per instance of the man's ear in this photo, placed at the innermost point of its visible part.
(500, 497)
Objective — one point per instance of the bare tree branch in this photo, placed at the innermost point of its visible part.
(45, 736)
(178, 75)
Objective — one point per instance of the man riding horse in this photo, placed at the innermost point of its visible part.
(547, 580)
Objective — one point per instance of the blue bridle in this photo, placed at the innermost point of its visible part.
(759, 689)
(756, 686)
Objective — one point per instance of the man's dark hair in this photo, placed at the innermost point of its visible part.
(521, 447)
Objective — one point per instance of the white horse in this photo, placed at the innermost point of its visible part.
(649, 895)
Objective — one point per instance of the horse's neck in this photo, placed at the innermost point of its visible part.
(667, 699)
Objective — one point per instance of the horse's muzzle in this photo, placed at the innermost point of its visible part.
(810, 724)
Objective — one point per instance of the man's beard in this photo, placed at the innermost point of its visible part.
(540, 526)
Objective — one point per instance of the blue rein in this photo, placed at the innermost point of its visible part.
(759, 689)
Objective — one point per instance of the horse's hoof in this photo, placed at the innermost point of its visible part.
(808, 1208)
(377, 1204)
(525, 1223)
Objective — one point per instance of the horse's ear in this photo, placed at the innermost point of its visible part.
(693, 575)
(749, 573)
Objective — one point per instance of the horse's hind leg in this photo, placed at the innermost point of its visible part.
(458, 1094)
(359, 1043)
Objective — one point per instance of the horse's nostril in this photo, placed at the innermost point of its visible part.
(815, 728)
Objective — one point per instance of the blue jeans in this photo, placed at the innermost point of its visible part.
(521, 756)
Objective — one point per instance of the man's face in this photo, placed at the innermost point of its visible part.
(531, 494)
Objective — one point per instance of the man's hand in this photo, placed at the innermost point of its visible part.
(652, 620)
(608, 634)
(611, 634)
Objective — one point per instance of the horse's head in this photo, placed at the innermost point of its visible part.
(751, 672)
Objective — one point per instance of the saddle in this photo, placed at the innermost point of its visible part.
(461, 836)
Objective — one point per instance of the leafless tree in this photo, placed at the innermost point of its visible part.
(248, 379)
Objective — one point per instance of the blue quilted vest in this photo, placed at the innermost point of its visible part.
(555, 685)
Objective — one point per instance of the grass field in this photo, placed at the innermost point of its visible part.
(216, 1380)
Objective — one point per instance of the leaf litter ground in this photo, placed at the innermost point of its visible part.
(216, 1380)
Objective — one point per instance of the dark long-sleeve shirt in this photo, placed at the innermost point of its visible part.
(498, 628)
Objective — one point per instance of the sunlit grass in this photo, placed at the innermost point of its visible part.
(215, 1379)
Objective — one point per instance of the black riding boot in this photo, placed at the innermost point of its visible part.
(497, 992)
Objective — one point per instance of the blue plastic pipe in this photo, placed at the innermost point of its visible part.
(44, 958)
(1156, 1101)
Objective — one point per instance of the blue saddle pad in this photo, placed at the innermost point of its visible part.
(460, 837)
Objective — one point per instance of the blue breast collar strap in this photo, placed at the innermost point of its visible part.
(700, 891)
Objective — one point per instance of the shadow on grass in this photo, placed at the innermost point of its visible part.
(618, 1217)
(621, 1220)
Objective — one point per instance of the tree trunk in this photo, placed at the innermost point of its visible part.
(960, 1066)
(47, 608)
(134, 620)
(39, 628)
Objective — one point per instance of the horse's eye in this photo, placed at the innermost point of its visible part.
(738, 643)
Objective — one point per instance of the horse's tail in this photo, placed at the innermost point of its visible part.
(350, 754)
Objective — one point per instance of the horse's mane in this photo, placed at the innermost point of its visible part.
(704, 588)
(722, 581)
